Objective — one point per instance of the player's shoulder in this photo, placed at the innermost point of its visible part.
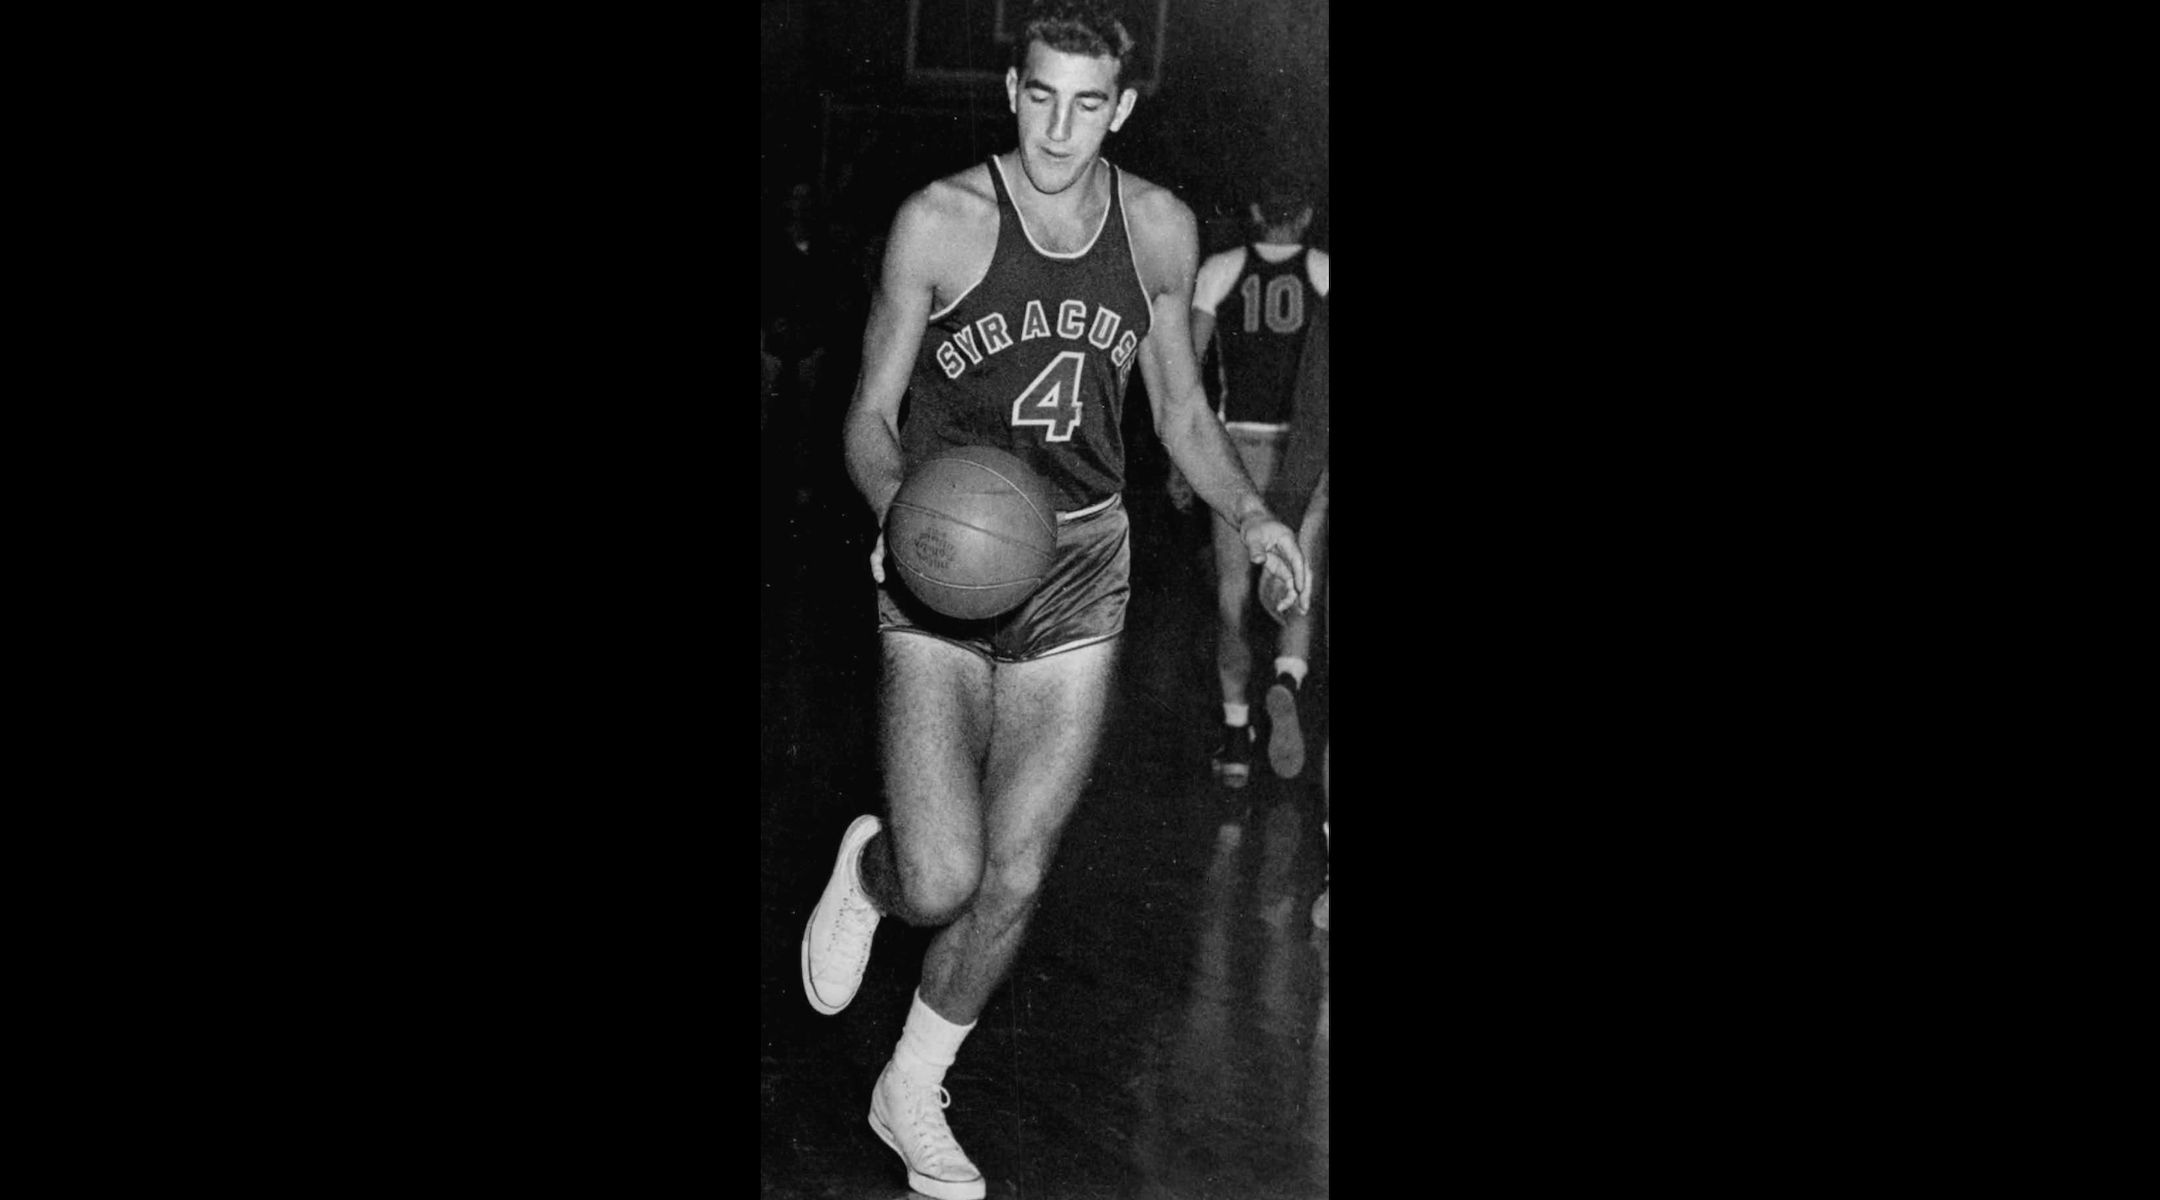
(1154, 207)
(957, 203)
(1225, 260)
(1218, 277)
(1165, 237)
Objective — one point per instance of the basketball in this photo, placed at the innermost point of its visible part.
(972, 532)
(1272, 592)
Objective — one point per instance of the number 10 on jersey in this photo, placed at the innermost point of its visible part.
(1053, 400)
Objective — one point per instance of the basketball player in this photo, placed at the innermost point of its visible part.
(1016, 298)
(1257, 303)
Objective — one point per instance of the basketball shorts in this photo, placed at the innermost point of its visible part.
(1082, 603)
(1260, 451)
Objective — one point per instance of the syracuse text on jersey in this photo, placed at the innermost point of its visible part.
(1072, 323)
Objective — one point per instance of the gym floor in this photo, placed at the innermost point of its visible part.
(1165, 1031)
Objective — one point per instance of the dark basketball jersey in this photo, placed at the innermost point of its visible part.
(1260, 327)
(1034, 359)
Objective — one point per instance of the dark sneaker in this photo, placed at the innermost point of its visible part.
(1233, 755)
(1286, 742)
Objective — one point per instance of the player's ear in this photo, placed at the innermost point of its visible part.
(1012, 89)
(1126, 99)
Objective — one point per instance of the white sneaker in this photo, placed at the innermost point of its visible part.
(909, 1115)
(836, 942)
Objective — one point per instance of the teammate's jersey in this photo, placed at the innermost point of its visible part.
(1034, 359)
(1260, 331)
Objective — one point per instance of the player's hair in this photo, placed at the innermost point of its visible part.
(1281, 201)
(1083, 27)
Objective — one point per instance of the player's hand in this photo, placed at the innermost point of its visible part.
(877, 560)
(1270, 543)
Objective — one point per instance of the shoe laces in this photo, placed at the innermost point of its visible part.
(855, 920)
(856, 913)
(933, 1137)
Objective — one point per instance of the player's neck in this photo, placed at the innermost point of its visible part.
(1078, 203)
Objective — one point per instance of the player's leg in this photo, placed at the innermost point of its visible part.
(1047, 723)
(923, 863)
(934, 721)
(1293, 658)
(1233, 657)
(1258, 453)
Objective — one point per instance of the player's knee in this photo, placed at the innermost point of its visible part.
(938, 891)
(1015, 882)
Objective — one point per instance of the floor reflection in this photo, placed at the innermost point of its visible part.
(1238, 1102)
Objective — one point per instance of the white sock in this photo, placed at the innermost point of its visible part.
(929, 1043)
(1293, 667)
(1235, 715)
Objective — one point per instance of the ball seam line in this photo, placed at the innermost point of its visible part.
(1017, 489)
(989, 533)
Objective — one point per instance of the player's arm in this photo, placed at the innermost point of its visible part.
(1168, 246)
(1309, 530)
(1203, 332)
(899, 311)
(1203, 329)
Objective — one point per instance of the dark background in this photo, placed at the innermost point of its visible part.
(1632, 528)
(1243, 91)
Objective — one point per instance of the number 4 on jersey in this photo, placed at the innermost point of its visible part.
(1053, 400)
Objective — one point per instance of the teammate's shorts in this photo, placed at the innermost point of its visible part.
(1260, 449)
(1082, 603)
(1261, 452)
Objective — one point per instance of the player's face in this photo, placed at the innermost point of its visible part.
(1066, 104)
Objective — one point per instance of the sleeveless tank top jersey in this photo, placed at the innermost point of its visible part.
(1261, 325)
(1034, 359)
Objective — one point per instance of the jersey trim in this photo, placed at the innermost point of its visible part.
(1132, 248)
(1090, 510)
(964, 295)
(977, 651)
(987, 268)
(1029, 234)
(998, 660)
(1063, 647)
